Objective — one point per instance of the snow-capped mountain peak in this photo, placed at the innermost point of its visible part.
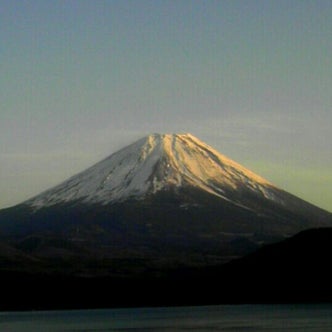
(151, 164)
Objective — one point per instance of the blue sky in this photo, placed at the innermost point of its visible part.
(81, 79)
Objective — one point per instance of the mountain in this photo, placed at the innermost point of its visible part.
(162, 202)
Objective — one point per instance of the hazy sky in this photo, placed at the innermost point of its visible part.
(81, 79)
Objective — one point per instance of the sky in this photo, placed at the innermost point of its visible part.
(81, 79)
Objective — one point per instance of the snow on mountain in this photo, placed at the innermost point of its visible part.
(154, 163)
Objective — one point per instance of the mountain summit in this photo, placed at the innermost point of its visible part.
(165, 200)
(152, 164)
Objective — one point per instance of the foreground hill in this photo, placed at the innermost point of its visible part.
(292, 271)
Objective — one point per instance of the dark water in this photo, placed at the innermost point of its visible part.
(316, 318)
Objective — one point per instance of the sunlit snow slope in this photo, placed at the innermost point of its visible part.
(152, 164)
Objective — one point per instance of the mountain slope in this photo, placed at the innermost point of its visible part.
(165, 200)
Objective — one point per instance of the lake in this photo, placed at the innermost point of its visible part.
(313, 317)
